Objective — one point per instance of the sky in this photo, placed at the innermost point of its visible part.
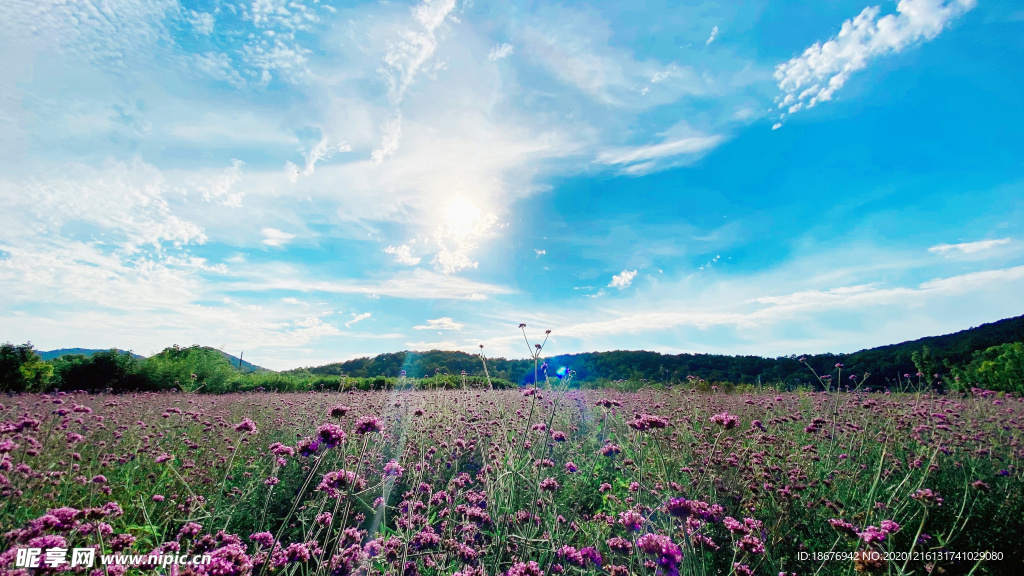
(309, 181)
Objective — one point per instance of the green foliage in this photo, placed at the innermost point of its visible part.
(114, 369)
(189, 369)
(998, 368)
(21, 369)
(924, 362)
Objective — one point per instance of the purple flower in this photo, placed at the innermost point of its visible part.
(307, 447)
(341, 480)
(872, 534)
(571, 555)
(190, 530)
(591, 553)
(368, 424)
(525, 568)
(890, 527)
(646, 422)
(928, 497)
(330, 435)
(844, 527)
(393, 469)
(229, 560)
(297, 553)
(619, 544)
(752, 544)
(669, 554)
(246, 425)
(262, 539)
(726, 420)
(631, 520)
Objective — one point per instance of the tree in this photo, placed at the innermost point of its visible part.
(21, 369)
(116, 369)
(998, 368)
(190, 369)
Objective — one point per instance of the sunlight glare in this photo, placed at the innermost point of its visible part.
(462, 213)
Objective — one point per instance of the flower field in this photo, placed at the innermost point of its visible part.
(519, 482)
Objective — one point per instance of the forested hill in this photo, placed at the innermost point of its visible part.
(51, 354)
(242, 365)
(886, 364)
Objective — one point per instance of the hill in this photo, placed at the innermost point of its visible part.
(51, 354)
(885, 365)
(239, 364)
(242, 365)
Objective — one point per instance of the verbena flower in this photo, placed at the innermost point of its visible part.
(330, 435)
(726, 420)
(368, 424)
(246, 425)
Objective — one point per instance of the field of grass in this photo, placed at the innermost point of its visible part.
(520, 482)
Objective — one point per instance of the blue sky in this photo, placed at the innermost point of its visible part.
(310, 181)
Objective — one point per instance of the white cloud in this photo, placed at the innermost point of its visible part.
(641, 160)
(443, 323)
(219, 67)
(322, 150)
(622, 280)
(407, 58)
(127, 203)
(202, 22)
(950, 250)
(815, 76)
(356, 318)
(222, 189)
(275, 237)
(288, 60)
(414, 284)
(540, 252)
(439, 345)
(500, 51)
(804, 305)
(275, 50)
(403, 255)
(714, 32)
(389, 141)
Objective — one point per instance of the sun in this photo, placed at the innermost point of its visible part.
(462, 213)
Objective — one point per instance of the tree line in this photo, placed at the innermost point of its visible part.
(990, 356)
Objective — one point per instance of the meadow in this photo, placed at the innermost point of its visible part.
(549, 480)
